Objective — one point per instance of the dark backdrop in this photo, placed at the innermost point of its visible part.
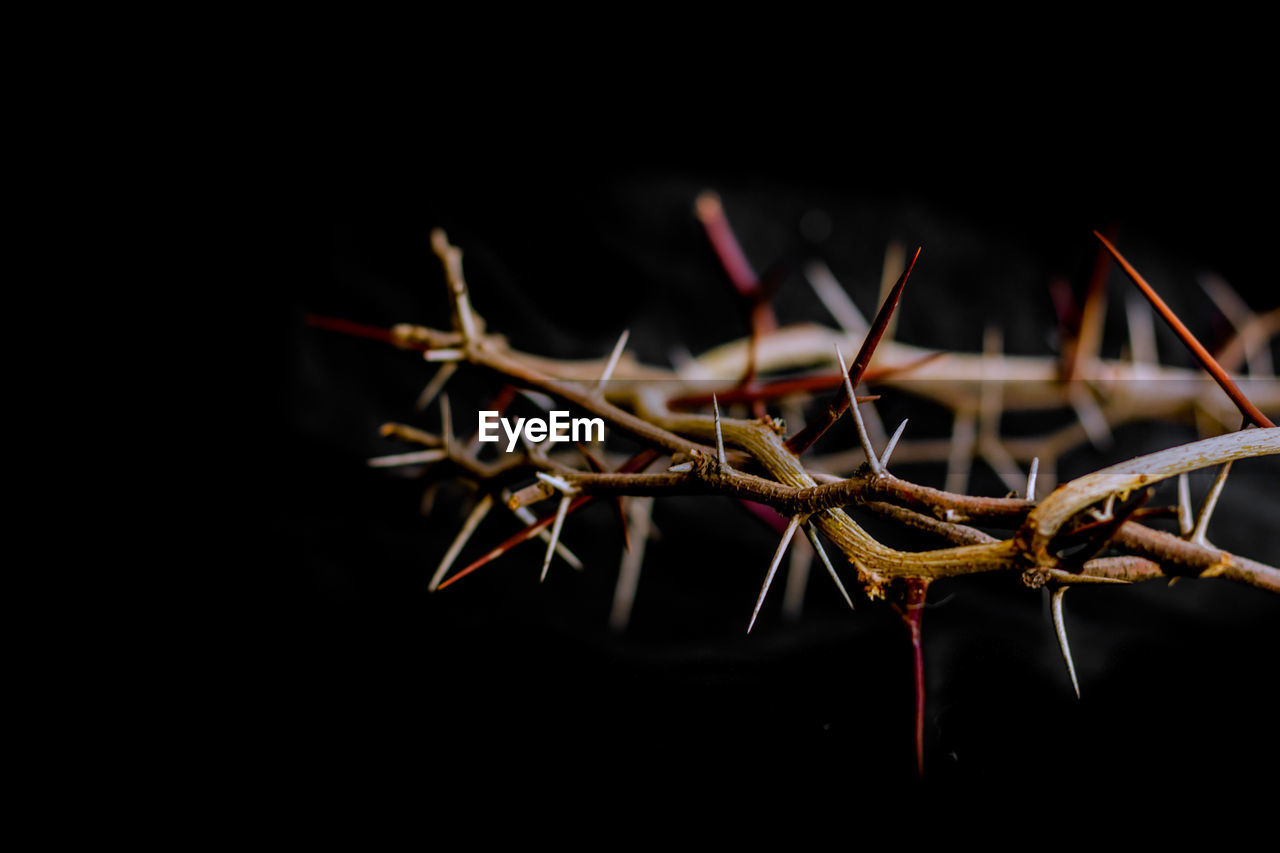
(484, 689)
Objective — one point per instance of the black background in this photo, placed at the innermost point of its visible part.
(572, 232)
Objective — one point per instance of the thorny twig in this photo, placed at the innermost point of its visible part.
(751, 461)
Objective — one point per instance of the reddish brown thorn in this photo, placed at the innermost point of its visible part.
(346, 327)
(711, 214)
(912, 613)
(598, 466)
(1088, 338)
(1247, 408)
(803, 440)
(636, 463)
(765, 513)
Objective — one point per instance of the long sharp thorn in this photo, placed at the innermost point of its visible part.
(872, 459)
(773, 567)
(1185, 522)
(913, 616)
(894, 255)
(803, 440)
(724, 464)
(826, 561)
(1210, 502)
(1142, 332)
(1060, 628)
(960, 454)
(1031, 478)
(613, 358)
(893, 442)
(555, 534)
(437, 383)
(1202, 355)
(464, 535)
(526, 515)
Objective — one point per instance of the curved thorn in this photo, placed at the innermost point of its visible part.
(826, 561)
(893, 442)
(468, 527)
(1060, 628)
(773, 567)
(872, 459)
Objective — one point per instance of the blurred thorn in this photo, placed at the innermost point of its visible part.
(446, 424)
(835, 299)
(1090, 415)
(895, 255)
(1242, 319)
(437, 383)
(1031, 478)
(416, 457)
(640, 514)
(447, 355)
(1142, 331)
(724, 463)
(800, 559)
(964, 433)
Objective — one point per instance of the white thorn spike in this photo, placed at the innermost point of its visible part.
(826, 561)
(556, 483)
(555, 535)
(444, 355)
(469, 526)
(724, 463)
(872, 459)
(1031, 478)
(773, 567)
(524, 514)
(1210, 502)
(1142, 331)
(613, 358)
(1060, 628)
(893, 442)
(1185, 521)
(417, 457)
(960, 456)
(436, 385)
(799, 561)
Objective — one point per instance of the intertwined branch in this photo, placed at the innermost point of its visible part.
(1086, 531)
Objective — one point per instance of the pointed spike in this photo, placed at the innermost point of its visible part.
(803, 440)
(1186, 524)
(960, 456)
(872, 459)
(826, 561)
(526, 515)
(469, 526)
(613, 358)
(799, 562)
(1060, 628)
(437, 383)
(913, 616)
(1210, 502)
(1142, 332)
(1031, 478)
(894, 255)
(893, 442)
(724, 464)
(773, 567)
(555, 535)
(1202, 355)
